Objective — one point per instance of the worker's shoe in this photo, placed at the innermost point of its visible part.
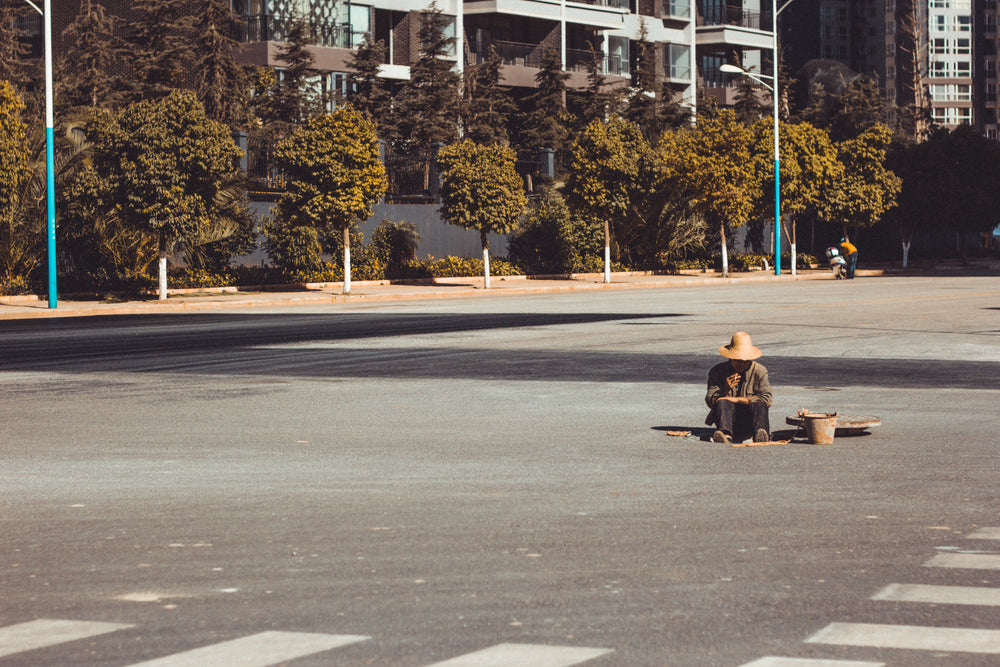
(761, 436)
(721, 436)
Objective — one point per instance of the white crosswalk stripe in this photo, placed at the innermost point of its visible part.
(260, 650)
(45, 632)
(271, 648)
(926, 638)
(965, 561)
(525, 655)
(772, 661)
(968, 595)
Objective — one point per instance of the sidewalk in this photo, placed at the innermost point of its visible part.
(22, 307)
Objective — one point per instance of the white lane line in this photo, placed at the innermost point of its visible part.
(966, 561)
(962, 640)
(772, 661)
(260, 650)
(525, 655)
(49, 632)
(985, 534)
(972, 595)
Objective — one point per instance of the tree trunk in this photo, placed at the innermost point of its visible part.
(725, 250)
(347, 260)
(162, 251)
(486, 258)
(607, 250)
(794, 245)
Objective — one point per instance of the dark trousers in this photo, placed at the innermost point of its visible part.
(852, 264)
(740, 421)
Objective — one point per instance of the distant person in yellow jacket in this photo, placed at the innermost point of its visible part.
(850, 253)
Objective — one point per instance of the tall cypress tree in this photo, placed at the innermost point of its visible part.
(545, 123)
(161, 44)
(297, 97)
(487, 106)
(13, 45)
(221, 83)
(88, 71)
(646, 89)
(428, 106)
(368, 91)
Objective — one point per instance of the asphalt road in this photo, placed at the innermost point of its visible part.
(426, 480)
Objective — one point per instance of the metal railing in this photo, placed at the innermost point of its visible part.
(737, 17)
(578, 60)
(512, 53)
(614, 4)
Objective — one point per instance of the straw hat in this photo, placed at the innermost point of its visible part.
(740, 348)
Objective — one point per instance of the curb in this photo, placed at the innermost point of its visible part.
(28, 307)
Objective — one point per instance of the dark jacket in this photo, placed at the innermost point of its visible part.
(755, 385)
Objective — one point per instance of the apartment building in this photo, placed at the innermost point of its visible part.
(950, 44)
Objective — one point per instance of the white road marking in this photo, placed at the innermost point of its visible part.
(525, 655)
(771, 661)
(260, 650)
(961, 640)
(985, 534)
(972, 595)
(49, 632)
(966, 561)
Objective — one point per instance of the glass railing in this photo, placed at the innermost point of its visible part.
(677, 8)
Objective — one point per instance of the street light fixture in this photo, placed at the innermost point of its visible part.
(50, 161)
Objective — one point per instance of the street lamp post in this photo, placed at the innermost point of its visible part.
(50, 161)
(773, 87)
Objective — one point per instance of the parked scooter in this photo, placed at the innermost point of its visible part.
(837, 262)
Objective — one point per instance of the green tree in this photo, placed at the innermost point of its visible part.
(92, 55)
(599, 98)
(949, 184)
(161, 46)
(481, 190)
(334, 178)
(746, 102)
(551, 239)
(369, 93)
(860, 107)
(642, 101)
(158, 168)
(487, 106)
(17, 251)
(296, 95)
(545, 123)
(711, 166)
(429, 104)
(605, 179)
(222, 83)
(866, 189)
(810, 167)
(13, 45)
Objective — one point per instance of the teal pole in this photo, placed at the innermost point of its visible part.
(777, 155)
(50, 161)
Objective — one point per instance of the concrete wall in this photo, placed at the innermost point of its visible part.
(437, 238)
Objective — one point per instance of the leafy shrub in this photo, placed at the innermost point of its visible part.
(395, 245)
(15, 286)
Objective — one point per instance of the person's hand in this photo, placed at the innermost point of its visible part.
(733, 380)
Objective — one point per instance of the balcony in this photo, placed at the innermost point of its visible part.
(261, 28)
(735, 27)
(578, 60)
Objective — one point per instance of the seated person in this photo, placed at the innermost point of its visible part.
(739, 393)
